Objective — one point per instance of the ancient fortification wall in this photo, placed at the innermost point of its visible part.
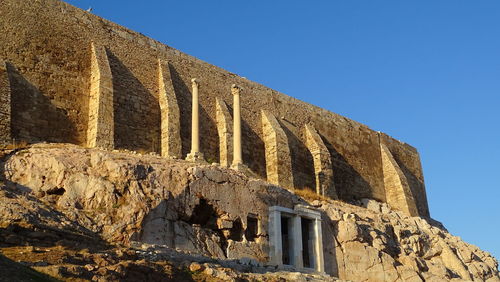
(73, 77)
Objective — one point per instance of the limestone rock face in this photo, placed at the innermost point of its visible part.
(183, 211)
(376, 244)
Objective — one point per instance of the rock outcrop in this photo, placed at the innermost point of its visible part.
(132, 211)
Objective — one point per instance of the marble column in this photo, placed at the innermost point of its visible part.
(237, 155)
(318, 246)
(195, 154)
(275, 240)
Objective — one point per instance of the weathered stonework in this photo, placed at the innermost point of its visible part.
(278, 162)
(225, 130)
(51, 74)
(101, 122)
(322, 163)
(397, 189)
(170, 115)
(5, 105)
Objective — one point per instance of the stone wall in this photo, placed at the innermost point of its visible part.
(47, 45)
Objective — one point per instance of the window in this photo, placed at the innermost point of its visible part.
(295, 237)
(285, 240)
(307, 242)
(252, 228)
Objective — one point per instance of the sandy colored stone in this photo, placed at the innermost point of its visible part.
(170, 116)
(452, 262)
(50, 91)
(278, 158)
(348, 231)
(397, 189)
(237, 151)
(323, 168)
(100, 132)
(202, 210)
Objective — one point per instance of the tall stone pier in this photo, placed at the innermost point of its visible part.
(170, 114)
(322, 159)
(100, 131)
(278, 158)
(397, 188)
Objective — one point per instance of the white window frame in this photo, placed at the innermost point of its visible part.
(275, 242)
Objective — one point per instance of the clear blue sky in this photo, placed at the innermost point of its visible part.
(424, 71)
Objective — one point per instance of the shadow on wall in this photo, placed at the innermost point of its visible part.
(209, 139)
(136, 110)
(302, 160)
(253, 150)
(34, 117)
(184, 98)
(350, 185)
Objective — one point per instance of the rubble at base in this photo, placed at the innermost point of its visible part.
(72, 212)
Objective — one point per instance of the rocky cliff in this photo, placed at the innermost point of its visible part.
(69, 212)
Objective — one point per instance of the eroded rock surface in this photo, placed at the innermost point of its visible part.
(176, 215)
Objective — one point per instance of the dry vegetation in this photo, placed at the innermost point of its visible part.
(15, 145)
(309, 194)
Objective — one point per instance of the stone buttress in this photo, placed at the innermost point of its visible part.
(278, 158)
(322, 163)
(170, 114)
(397, 189)
(100, 132)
